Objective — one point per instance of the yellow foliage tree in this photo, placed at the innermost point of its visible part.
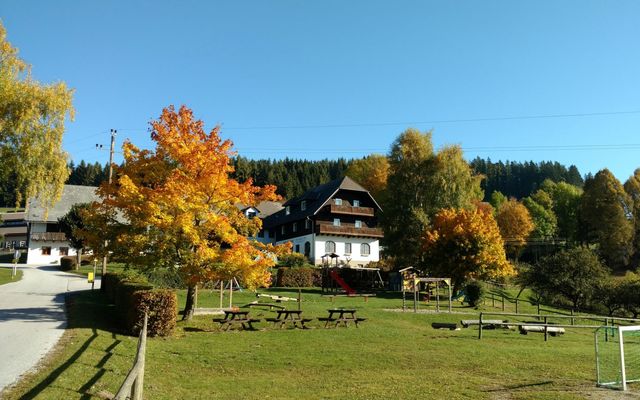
(371, 172)
(515, 225)
(176, 207)
(465, 244)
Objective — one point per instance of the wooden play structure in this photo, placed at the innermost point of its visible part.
(220, 285)
(428, 287)
(353, 281)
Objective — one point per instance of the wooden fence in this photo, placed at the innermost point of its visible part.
(132, 386)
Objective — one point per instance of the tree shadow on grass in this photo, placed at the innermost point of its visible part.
(87, 309)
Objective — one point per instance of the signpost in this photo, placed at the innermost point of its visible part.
(16, 257)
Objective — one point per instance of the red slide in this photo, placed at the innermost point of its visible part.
(342, 283)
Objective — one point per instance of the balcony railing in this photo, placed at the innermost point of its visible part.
(341, 209)
(49, 237)
(348, 230)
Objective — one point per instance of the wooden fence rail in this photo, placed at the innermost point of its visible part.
(132, 386)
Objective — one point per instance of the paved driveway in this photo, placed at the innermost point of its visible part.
(32, 317)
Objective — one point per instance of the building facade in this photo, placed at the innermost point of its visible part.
(45, 243)
(337, 222)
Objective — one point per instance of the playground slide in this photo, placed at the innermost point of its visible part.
(342, 283)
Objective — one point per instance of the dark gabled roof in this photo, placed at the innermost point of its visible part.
(71, 194)
(315, 199)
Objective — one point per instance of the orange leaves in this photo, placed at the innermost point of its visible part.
(179, 204)
(465, 244)
(515, 223)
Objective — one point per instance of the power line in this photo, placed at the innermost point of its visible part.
(441, 121)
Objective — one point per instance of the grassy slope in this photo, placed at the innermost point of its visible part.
(5, 276)
(393, 355)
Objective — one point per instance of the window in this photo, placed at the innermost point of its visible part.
(356, 203)
(297, 248)
(358, 224)
(287, 210)
(347, 248)
(295, 227)
(303, 205)
(23, 243)
(64, 251)
(46, 251)
(307, 249)
(329, 247)
(337, 202)
(251, 214)
(282, 230)
(336, 222)
(307, 224)
(365, 250)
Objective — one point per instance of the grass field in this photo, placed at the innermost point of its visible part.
(392, 355)
(5, 276)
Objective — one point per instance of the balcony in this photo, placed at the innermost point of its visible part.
(341, 209)
(348, 230)
(49, 237)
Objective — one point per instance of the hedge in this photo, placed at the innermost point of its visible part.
(133, 296)
(68, 263)
(298, 277)
(160, 305)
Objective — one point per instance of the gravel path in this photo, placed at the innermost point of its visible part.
(32, 317)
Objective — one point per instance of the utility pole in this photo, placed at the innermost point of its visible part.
(111, 150)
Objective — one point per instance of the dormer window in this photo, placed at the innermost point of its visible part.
(337, 202)
(303, 205)
(356, 203)
(287, 210)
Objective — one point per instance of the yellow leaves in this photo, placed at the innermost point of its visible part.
(465, 244)
(180, 205)
(515, 222)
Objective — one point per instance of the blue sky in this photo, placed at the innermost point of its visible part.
(330, 79)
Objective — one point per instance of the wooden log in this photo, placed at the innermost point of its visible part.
(444, 325)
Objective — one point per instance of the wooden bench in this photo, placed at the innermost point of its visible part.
(551, 330)
(270, 305)
(244, 323)
(452, 326)
(486, 323)
(281, 322)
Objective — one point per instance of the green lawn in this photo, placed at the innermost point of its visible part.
(392, 355)
(85, 269)
(5, 276)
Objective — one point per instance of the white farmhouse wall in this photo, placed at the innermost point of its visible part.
(355, 256)
(35, 256)
(300, 241)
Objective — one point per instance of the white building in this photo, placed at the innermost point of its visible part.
(46, 244)
(337, 220)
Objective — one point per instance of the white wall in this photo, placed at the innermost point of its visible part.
(34, 254)
(300, 240)
(355, 256)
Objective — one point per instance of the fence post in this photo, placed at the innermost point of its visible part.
(299, 299)
(538, 310)
(503, 303)
(516, 306)
(142, 349)
(480, 327)
(493, 300)
(546, 329)
(573, 321)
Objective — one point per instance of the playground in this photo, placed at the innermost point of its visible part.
(394, 354)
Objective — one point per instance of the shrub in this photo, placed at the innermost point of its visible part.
(474, 291)
(293, 260)
(165, 278)
(67, 263)
(161, 307)
(298, 277)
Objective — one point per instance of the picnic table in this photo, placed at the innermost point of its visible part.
(293, 317)
(236, 318)
(341, 315)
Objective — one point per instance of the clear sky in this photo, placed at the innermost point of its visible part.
(328, 79)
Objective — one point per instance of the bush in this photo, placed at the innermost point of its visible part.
(68, 263)
(474, 291)
(166, 278)
(298, 277)
(293, 260)
(161, 307)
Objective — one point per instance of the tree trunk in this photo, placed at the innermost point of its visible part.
(79, 258)
(189, 308)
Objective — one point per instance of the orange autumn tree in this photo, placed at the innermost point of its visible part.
(465, 244)
(176, 208)
(515, 225)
